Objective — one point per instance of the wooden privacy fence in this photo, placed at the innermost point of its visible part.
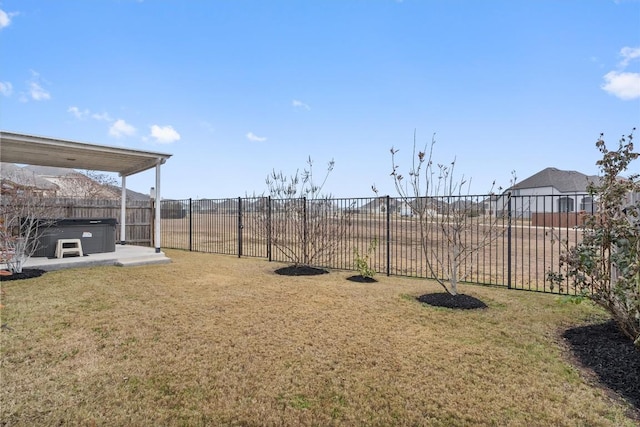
(138, 215)
(558, 219)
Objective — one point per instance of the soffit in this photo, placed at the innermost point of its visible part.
(43, 151)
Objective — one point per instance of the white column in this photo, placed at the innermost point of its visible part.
(158, 199)
(123, 212)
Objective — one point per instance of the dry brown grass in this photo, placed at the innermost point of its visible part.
(534, 250)
(216, 340)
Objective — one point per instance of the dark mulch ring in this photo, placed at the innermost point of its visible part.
(300, 270)
(361, 279)
(604, 350)
(27, 273)
(445, 299)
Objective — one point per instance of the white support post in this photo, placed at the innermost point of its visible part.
(158, 199)
(123, 212)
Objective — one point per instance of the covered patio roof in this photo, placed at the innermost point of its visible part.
(44, 151)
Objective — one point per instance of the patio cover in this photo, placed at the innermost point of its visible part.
(44, 151)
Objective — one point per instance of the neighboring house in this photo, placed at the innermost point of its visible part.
(494, 204)
(432, 206)
(203, 206)
(14, 177)
(55, 182)
(379, 206)
(75, 185)
(549, 191)
(131, 195)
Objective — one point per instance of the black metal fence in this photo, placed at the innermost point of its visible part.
(512, 241)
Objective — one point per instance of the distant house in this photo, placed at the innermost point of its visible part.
(379, 206)
(14, 178)
(54, 182)
(549, 191)
(431, 206)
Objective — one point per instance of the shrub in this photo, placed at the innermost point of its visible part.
(362, 261)
(605, 265)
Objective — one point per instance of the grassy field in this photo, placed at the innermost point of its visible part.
(534, 250)
(217, 340)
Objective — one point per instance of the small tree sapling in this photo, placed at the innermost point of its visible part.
(441, 203)
(305, 225)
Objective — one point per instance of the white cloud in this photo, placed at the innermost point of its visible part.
(253, 137)
(102, 116)
(5, 19)
(301, 105)
(628, 54)
(83, 114)
(121, 128)
(38, 93)
(6, 88)
(80, 115)
(623, 85)
(164, 134)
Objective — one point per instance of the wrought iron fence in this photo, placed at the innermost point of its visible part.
(515, 240)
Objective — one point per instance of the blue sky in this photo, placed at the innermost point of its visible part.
(235, 89)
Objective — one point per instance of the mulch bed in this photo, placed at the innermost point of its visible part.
(445, 299)
(602, 349)
(27, 273)
(300, 270)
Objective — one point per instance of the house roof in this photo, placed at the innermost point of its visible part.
(44, 151)
(49, 170)
(561, 180)
(52, 178)
(24, 177)
(380, 202)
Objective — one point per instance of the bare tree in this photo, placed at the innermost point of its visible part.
(88, 185)
(24, 217)
(303, 223)
(453, 224)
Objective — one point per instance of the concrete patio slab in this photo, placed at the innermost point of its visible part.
(124, 256)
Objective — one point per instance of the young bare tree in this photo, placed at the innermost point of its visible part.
(24, 217)
(453, 225)
(304, 224)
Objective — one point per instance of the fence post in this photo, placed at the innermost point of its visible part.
(239, 227)
(269, 228)
(152, 217)
(509, 216)
(305, 252)
(388, 236)
(190, 225)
